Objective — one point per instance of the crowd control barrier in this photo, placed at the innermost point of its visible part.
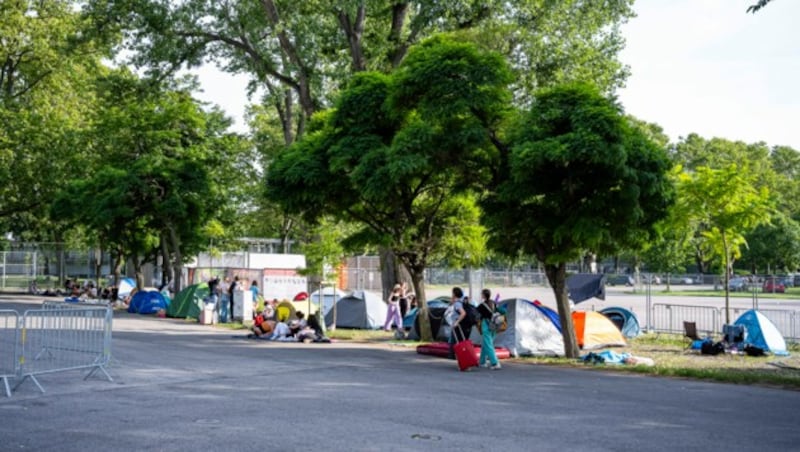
(9, 328)
(56, 338)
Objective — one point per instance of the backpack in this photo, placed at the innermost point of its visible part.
(498, 322)
(473, 317)
(712, 348)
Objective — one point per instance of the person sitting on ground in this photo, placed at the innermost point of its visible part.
(264, 327)
(312, 332)
(281, 333)
(298, 324)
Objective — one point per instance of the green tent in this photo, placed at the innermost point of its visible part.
(188, 302)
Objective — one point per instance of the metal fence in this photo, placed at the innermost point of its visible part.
(9, 328)
(667, 318)
(56, 338)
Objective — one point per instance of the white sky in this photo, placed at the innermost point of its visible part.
(702, 66)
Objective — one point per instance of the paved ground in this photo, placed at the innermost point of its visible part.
(181, 386)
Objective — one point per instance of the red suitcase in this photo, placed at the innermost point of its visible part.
(465, 354)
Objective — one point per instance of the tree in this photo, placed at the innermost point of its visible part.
(152, 191)
(774, 246)
(577, 176)
(399, 154)
(729, 205)
(45, 99)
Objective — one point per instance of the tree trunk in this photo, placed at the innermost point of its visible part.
(166, 264)
(175, 241)
(418, 281)
(557, 275)
(388, 263)
(727, 278)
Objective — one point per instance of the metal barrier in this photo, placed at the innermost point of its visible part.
(669, 318)
(9, 327)
(61, 337)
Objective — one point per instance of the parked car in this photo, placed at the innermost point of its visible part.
(738, 285)
(787, 281)
(619, 280)
(773, 285)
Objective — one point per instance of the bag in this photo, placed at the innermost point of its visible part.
(465, 354)
(710, 348)
(752, 350)
(498, 323)
(473, 317)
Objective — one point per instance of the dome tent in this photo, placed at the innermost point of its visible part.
(761, 332)
(188, 302)
(624, 320)
(361, 309)
(148, 302)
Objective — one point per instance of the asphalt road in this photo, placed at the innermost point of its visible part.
(184, 387)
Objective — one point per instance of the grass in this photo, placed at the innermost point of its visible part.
(673, 359)
(668, 351)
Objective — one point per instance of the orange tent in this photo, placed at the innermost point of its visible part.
(594, 330)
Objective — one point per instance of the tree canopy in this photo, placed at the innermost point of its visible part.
(578, 177)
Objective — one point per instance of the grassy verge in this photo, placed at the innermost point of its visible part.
(673, 359)
(668, 351)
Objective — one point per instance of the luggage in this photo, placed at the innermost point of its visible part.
(465, 354)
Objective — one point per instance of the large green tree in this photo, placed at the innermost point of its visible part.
(399, 154)
(577, 176)
(160, 162)
(46, 71)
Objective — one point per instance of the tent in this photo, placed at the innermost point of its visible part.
(583, 286)
(329, 297)
(148, 302)
(594, 330)
(188, 302)
(761, 332)
(361, 309)
(411, 316)
(126, 286)
(285, 311)
(624, 320)
(533, 329)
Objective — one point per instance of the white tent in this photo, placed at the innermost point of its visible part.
(361, 309)
(532, 330)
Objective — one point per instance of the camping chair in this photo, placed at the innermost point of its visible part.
(690, 332)
(733, 335)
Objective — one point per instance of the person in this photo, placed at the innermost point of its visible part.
(224, 299)
(234, 286)
(312, 331)
(213, 284)
(393, 313)
(254, 290)
(403, 300)
(297, 324)
(269, 309)
(455, 316)
(487, 308)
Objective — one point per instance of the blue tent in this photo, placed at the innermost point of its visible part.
(147, 302)
(411, 315)
(761, 332)
(624, 319)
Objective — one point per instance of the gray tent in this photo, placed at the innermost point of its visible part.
(533, 330)
(361, 309)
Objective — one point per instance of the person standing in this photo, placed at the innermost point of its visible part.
(455, 316)
(231, 290)
(487, 309)
(393, 313)
(224, 299)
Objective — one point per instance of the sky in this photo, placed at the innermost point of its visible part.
(697, 66)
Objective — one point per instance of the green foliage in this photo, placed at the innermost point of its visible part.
(45, 99)
(399, 152)
(578, 178)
